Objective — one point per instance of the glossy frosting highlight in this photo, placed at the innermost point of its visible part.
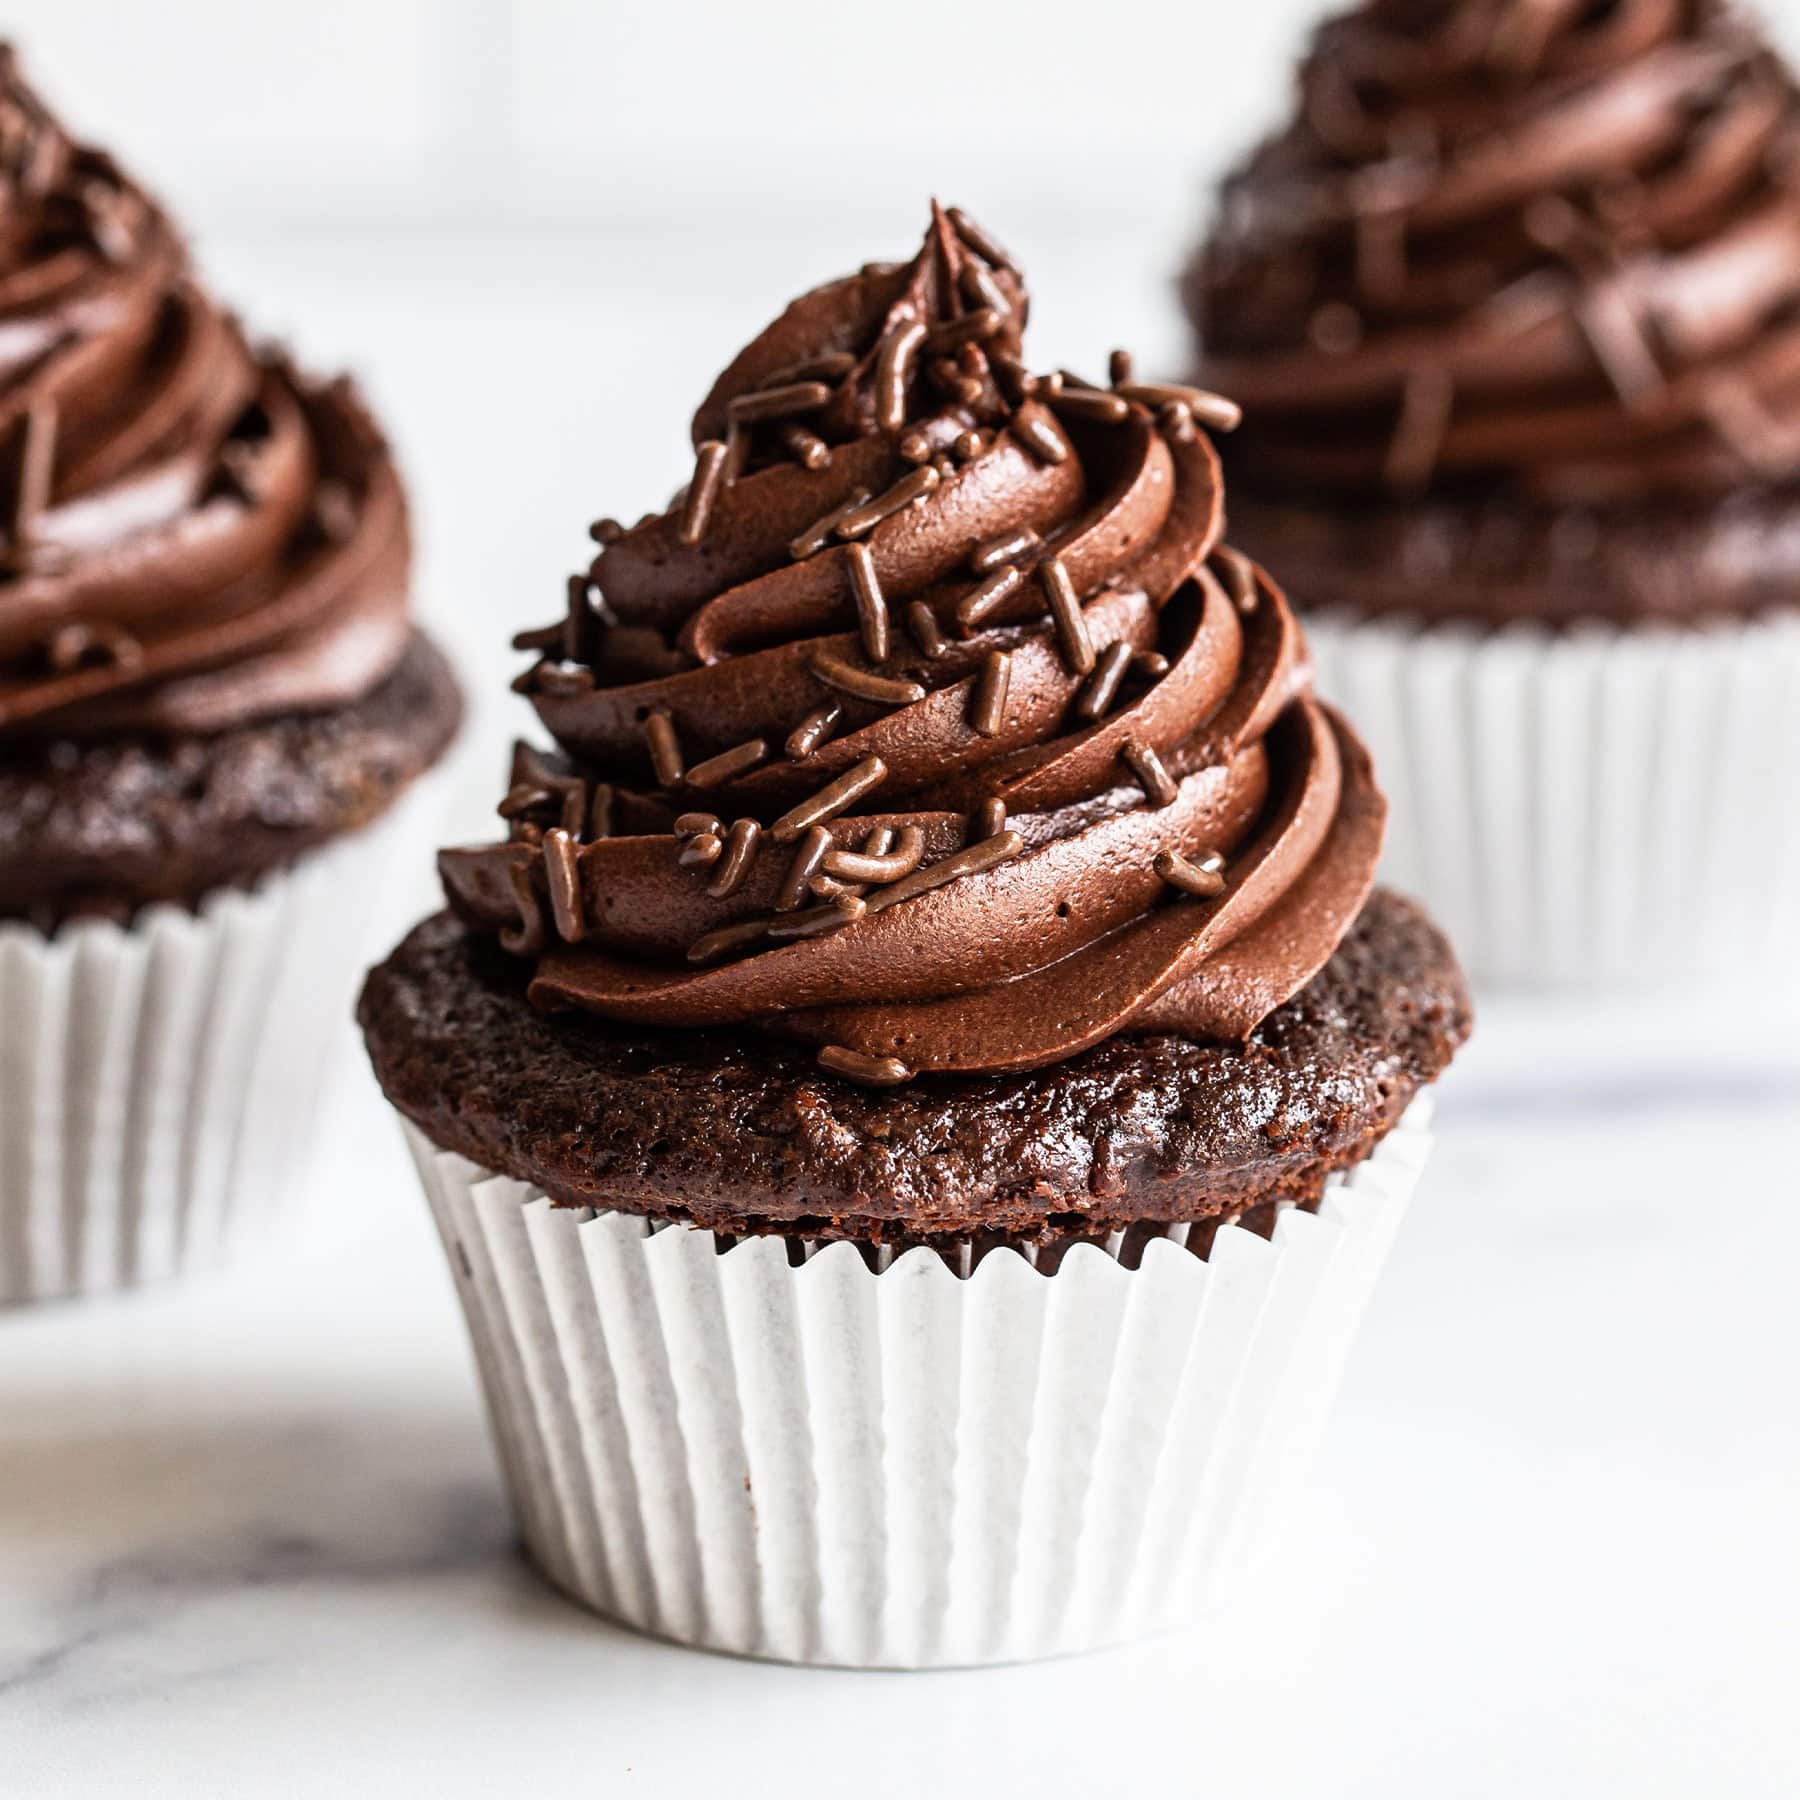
(933, 723)
(194, 536)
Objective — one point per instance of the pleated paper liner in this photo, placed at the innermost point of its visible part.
(158, 1081)
(1598, 805)
(868, 1461)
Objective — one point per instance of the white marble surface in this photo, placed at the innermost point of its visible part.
(251, 1537)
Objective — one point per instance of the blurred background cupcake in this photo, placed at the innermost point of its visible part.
(946, 897)
(214, 717)
(1513, 308)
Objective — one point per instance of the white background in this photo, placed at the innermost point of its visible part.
(251, 1540)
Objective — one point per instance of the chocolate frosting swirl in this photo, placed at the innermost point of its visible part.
(1542, 248)
(933, 723)
(194, 537)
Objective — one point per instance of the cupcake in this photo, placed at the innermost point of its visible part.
(214, 711)
(917, 1098)
(1513, 310)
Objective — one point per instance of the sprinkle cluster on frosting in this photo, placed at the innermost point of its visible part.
(191, 535)
(1538, 245)
(933, 723)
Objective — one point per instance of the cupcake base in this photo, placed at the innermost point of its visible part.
(824, 1454)
(742, 1131)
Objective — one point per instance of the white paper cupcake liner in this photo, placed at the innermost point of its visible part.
(905, 1469)
(1595, 805)
(157, 1082)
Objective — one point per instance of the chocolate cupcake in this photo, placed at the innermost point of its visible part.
(1513, 309)
(212, 708)
(946, 896)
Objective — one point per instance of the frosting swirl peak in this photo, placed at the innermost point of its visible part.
(933, 723)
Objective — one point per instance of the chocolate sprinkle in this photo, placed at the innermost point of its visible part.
(734, 865)
(606, 531)
(979, 284)
(854, 522)
(831, 799)
(692, 824)
(981, 241)
(1419, 431)
(1767, 447)
(881, 864)
(974, 859)
(1239, 574)
(1015, 381)
(1099, 693)
(563, 876)
(866, 1071)
(722, 940)
(665, 749)
(1065, 609)
(574, 807)
(1118, 367)
(1040, 434)
(778, 402)
(980, 601)
(813, 730)
(37, 470)
(1213, 411)
(520, 799)
(990, 817)
(1206, 878)
(600, 811)
(808, 450)
(701, 851)
(579, 621)
(1092, 403)
(808, 860)
(817, 535)
(987, 711)
(871, 607)
(562, 678)
(922, 623)
(972, 328)
(818, 920)
(1616, 336)
(728, 763)
(1158, 784)
(1006, 548)
(1175, 419)
(893, 369)
(828, 365)
(864, 683)
(950, 378)
(703, 490)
